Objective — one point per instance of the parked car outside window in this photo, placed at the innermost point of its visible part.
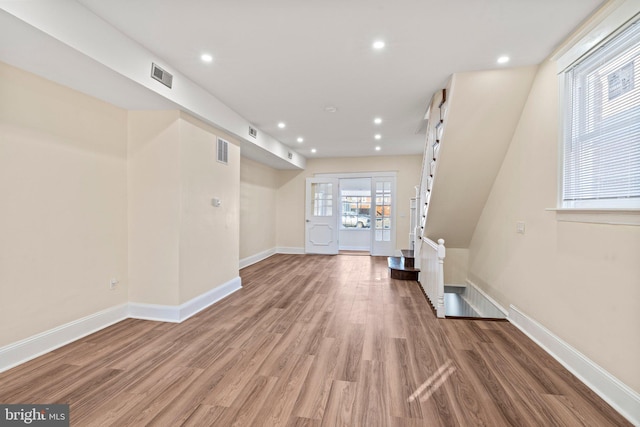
(355, 220)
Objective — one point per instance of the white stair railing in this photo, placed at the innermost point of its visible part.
(432, 273)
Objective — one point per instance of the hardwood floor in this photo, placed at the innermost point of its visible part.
(310, 341)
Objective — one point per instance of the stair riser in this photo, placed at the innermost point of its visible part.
(404, 275)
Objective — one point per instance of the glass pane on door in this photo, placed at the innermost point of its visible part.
(322, 199)
(383, 211)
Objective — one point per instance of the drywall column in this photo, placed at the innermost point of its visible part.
(209, 235)
(154, 207)
(181, 245)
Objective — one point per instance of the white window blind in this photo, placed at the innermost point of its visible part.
(602, 126)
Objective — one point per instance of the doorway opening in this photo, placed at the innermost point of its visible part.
(351, 212)
(355, 215)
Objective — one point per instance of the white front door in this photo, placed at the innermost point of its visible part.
(321, 227)
(383, 195)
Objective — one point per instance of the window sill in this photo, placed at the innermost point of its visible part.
(598, 216)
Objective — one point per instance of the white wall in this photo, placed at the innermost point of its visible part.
(63, 214)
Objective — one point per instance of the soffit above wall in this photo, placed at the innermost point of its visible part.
(51, 46)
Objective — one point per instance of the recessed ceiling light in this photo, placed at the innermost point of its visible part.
(313, 150)
(378, 44)
(281, 125)
(330, 109)
(300, 139)
(377, 120)
(503, 59)
(206, 57)
(377, 136)
(378, 148)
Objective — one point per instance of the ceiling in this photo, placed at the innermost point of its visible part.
(288, 60)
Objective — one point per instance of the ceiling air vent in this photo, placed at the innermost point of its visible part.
(290, 155)
(161, 75)
(253, 132)
(223, 151)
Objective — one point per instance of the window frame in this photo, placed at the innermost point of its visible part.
(583, 44)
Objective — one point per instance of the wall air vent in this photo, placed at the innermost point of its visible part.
(290, 155)
(253, 132)
(161, 75)
(223, 151)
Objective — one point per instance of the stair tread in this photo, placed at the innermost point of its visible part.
(407, 253)
(397, 263)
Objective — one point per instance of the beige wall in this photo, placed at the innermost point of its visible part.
(91, 192)
(579, 280)
(290, 197)
(180, 245)
(209, 235)
(483, 110)
(258, 208)
(63, 214)
(154, 207)
(456, 266)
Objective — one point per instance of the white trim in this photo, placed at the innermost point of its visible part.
(155, 312)
(347, 175)
(598, 216)
(29, 348)
(622, 398)
(22, 351)
(290, 251)
(180, 313)
(486, 296)
(250, 260)
(612, 18)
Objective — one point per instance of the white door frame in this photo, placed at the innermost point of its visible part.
(376, 250)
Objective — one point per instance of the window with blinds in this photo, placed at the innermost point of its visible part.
(602, 126)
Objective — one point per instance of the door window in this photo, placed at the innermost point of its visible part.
(322, 199)
(383, 211)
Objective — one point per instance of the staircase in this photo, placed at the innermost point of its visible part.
(403, 268)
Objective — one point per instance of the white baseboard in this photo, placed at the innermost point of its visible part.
(617, 394)
(22, 351)
(246, 262)
(155, 312)
(290, 251)
(180, 313)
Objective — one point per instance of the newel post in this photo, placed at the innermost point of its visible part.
(440, 280)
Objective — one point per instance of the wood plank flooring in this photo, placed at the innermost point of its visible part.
(310, 341)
